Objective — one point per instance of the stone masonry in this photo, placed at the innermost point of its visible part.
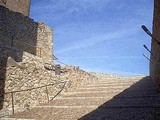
(21, 6)
(23, 33)
(25, 47)
(155, 48)
(30, 72)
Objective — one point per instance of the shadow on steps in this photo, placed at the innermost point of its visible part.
(138, 102)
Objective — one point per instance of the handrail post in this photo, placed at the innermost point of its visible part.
(12, 103)
(40, 52)
(150, 34)
(46, 86)
(12, 41)
(59, 91)
(47, 93)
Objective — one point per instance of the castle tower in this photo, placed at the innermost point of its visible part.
(21, 6)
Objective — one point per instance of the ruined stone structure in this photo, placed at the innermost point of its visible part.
(155, 48)
(21, 6)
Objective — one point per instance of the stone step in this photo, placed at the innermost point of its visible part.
(51, 113)
(114, 89)
(100, 107)
(121, 82)
(99, 89)
(96, 101)
(95, 91)
(90, 94)
(80, 98)
(138, 87)
(147, 83)
(106, 85)
(118, 80)
(108, 97)
(119, 114)
(85, 113)
(67, 106)
(15, 119)
(133, 102)
(82, 101)
(111, 93)
(112, 83)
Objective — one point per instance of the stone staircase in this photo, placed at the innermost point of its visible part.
(103, 99)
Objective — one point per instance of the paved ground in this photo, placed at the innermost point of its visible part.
(105, 99)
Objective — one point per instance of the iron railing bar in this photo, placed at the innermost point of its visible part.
(149, 50)
(147, 58)
(150, 34)
(31, 88)
(12, 93)
(12, 103)
(47, 93)
(59, 91)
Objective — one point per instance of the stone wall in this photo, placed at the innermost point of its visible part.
(25, 71)
(23, 33)
(27, 74)
(21, 6)
(76, 77)
(45, 43)
(25, 46)
(155, 49)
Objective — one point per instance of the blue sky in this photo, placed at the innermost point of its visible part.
(99, 35)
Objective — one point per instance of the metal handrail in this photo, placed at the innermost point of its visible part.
(147, 58)
(149, 51)
(150, 34)
(12, 92)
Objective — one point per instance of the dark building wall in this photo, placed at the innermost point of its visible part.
(155, 48)
(21, 6)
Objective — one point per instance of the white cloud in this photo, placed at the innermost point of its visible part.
(95, 40)
(70, 6)
(105, 57)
